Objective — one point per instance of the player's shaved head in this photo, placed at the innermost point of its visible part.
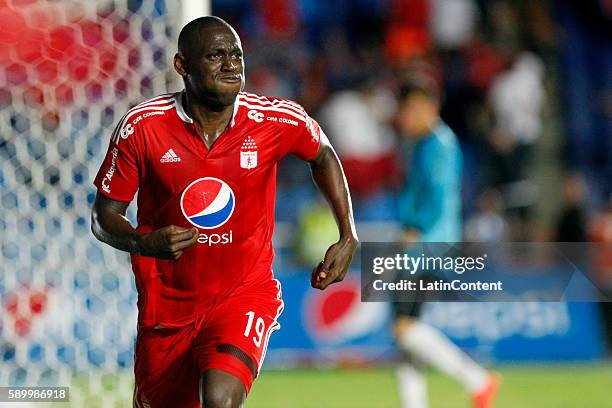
(210, 61)
(194, 33)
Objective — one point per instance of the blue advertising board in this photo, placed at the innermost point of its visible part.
(319, 326)
(335, 326)
(521, 331)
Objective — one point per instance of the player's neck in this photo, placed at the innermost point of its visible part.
(429, 128)
(210, 121)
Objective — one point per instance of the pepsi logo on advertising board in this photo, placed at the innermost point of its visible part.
(337, 315)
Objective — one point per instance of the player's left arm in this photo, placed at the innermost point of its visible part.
(329, 177)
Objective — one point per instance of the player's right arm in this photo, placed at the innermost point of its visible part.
(310, 144)
(110, 225)
(117, 183)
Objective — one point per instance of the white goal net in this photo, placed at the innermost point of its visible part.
(68, 71)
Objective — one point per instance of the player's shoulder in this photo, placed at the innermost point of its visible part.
(155, 108)
(442, 145)
(261, 108)
(264, 100)
(152, 108)
(446, 137)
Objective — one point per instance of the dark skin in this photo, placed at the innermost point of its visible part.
(213, 75)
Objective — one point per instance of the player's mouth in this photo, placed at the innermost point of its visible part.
(231, 79)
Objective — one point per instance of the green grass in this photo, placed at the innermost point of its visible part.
(522, 387)
(550, 386)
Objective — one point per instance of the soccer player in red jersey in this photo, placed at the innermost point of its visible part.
(204, 164)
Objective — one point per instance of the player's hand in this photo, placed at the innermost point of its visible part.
(167, 242)
(335, 265)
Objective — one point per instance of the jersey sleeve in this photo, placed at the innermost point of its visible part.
(304, 141)
(118, 177)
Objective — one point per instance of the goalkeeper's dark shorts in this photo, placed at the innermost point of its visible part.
(407, 309)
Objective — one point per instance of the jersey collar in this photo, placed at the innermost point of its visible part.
(180, 110)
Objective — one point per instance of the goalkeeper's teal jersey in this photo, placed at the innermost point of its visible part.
(431, 197)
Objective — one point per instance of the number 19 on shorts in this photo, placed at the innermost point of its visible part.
(259, 328)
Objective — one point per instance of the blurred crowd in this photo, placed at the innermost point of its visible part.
(499, 68)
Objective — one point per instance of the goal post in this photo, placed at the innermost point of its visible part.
(191, 9)
(69, 69)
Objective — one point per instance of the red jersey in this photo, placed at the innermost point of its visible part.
(227, 191)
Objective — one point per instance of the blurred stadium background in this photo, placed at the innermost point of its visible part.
(526, 85)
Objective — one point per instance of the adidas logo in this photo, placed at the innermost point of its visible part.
(170, 157)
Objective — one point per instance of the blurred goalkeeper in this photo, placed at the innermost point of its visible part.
(430, 211)
(204, 164)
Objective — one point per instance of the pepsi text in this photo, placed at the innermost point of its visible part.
(214, 239)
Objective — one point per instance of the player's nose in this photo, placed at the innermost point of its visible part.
(229, 64)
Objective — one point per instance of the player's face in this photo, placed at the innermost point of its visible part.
(216, 75)
(416, 114)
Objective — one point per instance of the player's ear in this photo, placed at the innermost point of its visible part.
(180, 65)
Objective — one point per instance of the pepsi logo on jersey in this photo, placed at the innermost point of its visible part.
(208, 203)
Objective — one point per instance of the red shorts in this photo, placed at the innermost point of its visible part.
(232, 336)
